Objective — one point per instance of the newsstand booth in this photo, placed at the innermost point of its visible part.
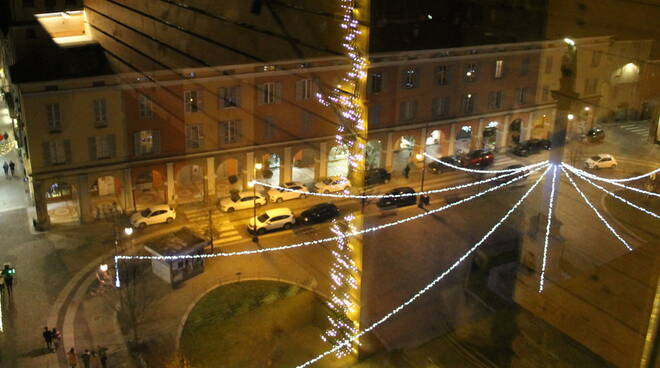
(181, 242)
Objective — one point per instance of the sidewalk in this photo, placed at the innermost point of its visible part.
(12, 189)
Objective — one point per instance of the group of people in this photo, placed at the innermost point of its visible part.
(90, 359)
(52, 338)
(9, 167)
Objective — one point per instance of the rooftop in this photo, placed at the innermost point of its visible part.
(182, 241)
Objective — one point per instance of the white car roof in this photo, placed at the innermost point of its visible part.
(249, 194)
(278, 212)
(292, 184)
(160, 207)
(605, 155)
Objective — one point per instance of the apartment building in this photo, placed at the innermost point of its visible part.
(179, 136)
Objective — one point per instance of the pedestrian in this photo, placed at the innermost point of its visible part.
(71, 358)
(48, 338)
(103, 356)
(406, 171)
(86, 356)
(5, 136)
(6, 167)
(95, 363)
(57, 337)
(8, 276)
(12, 167)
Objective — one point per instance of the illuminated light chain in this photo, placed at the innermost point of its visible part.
(481, 171)
(547, 227)
(650, 213)
(602, 219)
(612, 181)
(372, 196)
(595, 177)
(7, 146)
(428, 287)
(342, 274)
(318, 241)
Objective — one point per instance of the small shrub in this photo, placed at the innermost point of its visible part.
(233, 179)
(270, 298)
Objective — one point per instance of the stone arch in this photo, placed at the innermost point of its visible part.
(62, 201)
(189, 181)
(374, 153)
(271, 168)
(491, 135)
(106, 197)
(403, 152)
(338, 161)
(516, 131)
(433, 144)
(303, 165)
(228, 170)
(149, 186)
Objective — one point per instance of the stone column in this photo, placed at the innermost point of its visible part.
(452, 139)
(249, 168)
(170, 184)
(210, 178)
(504, 139)
(323, 159)
(84, 202)
(127, 188)
(286, 165)
(551, 121)
(530, 127)
(480, 133)
(389, 153)
(40, 203)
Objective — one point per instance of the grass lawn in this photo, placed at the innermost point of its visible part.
(639, 222)
(256, 324)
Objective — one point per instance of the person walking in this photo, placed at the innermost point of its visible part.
(103, 356)
(57, 337)
(95, 363)
(6, 167)
(5, 136)
(86, 356)
(406, 171)
(71, 358)
(48, 338)
(12, 167)
(8, 276)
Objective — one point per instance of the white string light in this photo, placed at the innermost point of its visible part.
(311, 242)
(610, 181)
(650, 213)
(547, 227)
(421, 292)
(481, 171)
(371, 196)
(617, 180)
(602, 219)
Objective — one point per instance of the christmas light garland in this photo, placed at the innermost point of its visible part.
(577, 171)
(433, 191)
(547, 228)
(311, 242)
(612, 181)
(602, 219)
(650, 213)
(477, 171)
(430, 285)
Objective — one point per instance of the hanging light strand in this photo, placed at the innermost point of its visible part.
(478, 171)
(612, 181)
(602, 219)
(547, 227)
(580, 172)
(428, 287)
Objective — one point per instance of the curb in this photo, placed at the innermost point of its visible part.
(614, 219)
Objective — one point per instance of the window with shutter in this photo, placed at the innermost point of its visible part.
(305, 122)
(304, 89)
(194, 136)
(229, 131)
(268, 128)
(440, 106)
(192, 101)
(47, 153)
(442, 75)
(375, 82)
(91, 142)
(524, 66)
(410, 78)
(498, 71)
(467, 104)
(470, 72)
(229, 97)
(408, 110)
(267, 93)
(100, 118)
(145, 108)
(374, 115)
(53, 117)
(147, 142)
(67, 151)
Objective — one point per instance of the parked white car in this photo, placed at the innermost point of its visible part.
(600, 161)
(242, 201)
(275, 219)
(279, 195)
(332, 184)
(153, 215)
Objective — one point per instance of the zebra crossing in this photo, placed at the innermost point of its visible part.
(636, 127)
(223, 230)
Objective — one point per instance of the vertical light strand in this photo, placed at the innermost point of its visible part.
(547, 227)
(117, 282)
(602, 219)
(344, 276)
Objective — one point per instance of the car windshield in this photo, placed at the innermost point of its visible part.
(263, 217)
(235, 197)
(595, 158)
(145, 212)
(327, 181)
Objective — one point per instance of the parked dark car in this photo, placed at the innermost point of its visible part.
(377, 176)
(387, 202)
(438, 168)
(319, 213)
(478, 158)
(595, 135)
(510, 177)
(531, 147)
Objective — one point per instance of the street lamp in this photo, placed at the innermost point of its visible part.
(257, 166)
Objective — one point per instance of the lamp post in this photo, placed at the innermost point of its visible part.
(257, 166)
(128, 231)
(423, 199)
